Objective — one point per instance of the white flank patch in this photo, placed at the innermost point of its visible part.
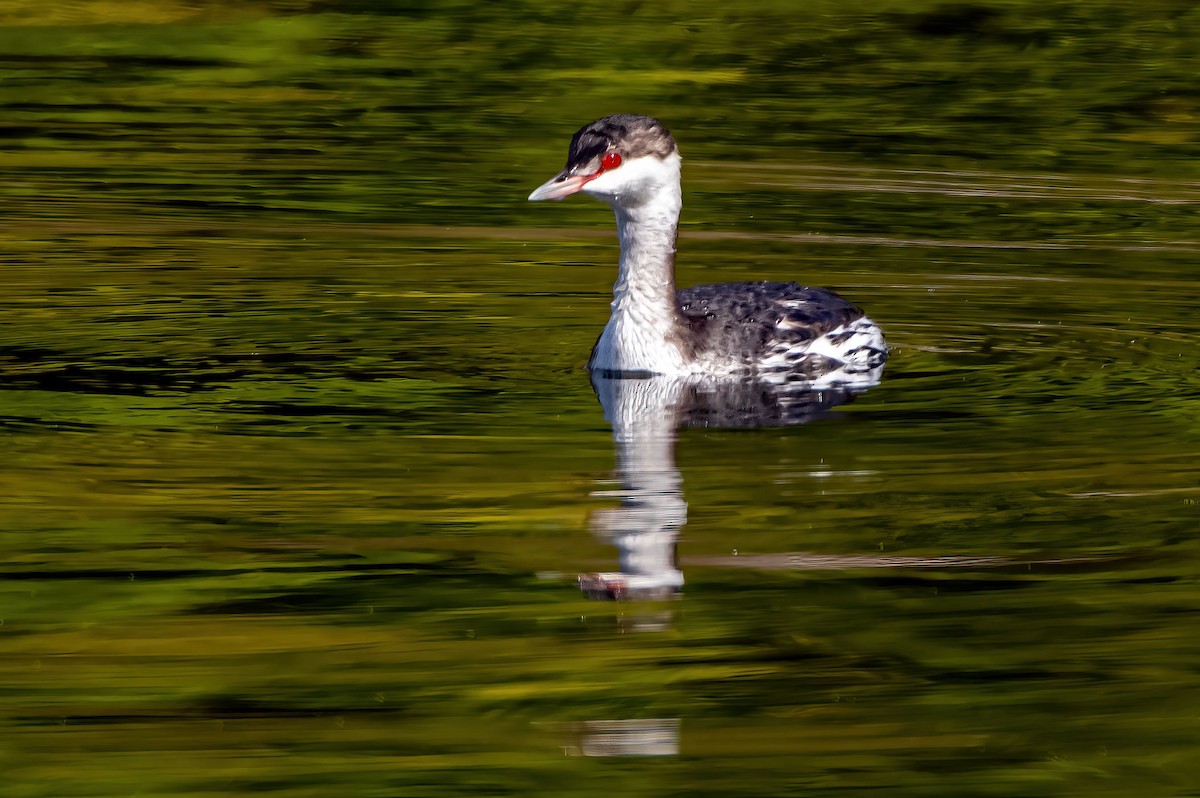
(853, 346)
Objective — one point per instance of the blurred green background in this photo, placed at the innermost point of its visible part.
(300, 452)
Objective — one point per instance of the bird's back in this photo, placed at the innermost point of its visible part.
(780, 327)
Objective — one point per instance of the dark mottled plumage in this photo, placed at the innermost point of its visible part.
(629, 134)
(749, 320)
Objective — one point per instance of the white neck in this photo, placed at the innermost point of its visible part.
(641, 334)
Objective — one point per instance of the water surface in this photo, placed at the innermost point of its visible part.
(302, 462)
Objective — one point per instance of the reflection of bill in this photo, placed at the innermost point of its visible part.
(644, 414)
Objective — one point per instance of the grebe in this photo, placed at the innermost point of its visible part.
(771, 331)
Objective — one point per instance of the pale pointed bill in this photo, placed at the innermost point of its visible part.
(557, 187)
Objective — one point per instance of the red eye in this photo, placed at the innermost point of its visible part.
(611, 160)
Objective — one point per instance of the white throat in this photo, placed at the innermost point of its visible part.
(642, 334)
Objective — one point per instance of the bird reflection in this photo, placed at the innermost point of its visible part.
(644, 413)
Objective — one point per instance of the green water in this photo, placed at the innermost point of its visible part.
(301, 461)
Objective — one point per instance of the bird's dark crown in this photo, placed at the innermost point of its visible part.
(631, 135)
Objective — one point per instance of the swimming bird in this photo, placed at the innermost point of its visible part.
(770, 331)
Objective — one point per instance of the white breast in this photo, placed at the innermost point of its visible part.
(633, 341)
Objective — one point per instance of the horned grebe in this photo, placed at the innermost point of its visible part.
(772, 331)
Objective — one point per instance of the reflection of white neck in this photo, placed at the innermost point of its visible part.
(642, 332)
(646, 525)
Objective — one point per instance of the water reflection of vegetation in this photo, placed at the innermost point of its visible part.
(282, 460)
(333, 106)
